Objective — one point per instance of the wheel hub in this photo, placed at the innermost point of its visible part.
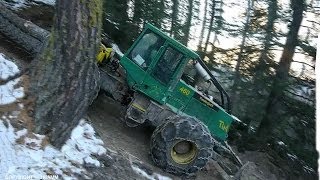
(182, 147)
(184, 152)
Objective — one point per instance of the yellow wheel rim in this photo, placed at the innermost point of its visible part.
(186, 155)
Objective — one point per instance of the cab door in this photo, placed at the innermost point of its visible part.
(162, 73)
(151, 65)
(138, 59)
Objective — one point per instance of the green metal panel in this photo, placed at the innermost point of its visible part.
(138, 79)
(135, 74)
(186, 99)
(180, 95)
(217, 120)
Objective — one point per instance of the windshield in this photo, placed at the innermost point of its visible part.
(146, 49)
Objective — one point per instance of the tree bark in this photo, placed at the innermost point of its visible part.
(282, 71)
(64, 79)
(24, 33)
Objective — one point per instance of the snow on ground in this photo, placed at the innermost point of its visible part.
(23, 156)
(17, 4)
(82, 144)
(49, 2)
(9, 92)
(154, 176)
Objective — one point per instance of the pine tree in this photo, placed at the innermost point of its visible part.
(237, 75)
(203, 27)
(282, 71)
(213, 4)
(187, 26)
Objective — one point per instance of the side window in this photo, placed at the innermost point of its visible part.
(146, 49)
(167, 65)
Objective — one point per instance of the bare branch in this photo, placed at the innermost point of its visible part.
(313, 22)
(305, 64)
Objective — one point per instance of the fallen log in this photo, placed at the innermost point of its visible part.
(22, 32)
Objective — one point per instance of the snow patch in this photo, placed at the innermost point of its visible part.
(24, 155)
(83, 144)
(117, 49)
(154, 176)
(19, 4)
(9, 93)
(281, 143)
(49, 2)
(7, 68)
(308, 169)
(292, 156)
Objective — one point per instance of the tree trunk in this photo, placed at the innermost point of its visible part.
(236, 77)
(64, 80)
(282, 71)
(24, 33)
(272, 16)
(203, 25)
(210, 25)
(187, 26)
(262, 77)
(138, 14)
(174, 18)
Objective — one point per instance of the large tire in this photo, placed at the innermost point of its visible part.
(193, 138)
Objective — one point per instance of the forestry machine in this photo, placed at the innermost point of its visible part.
(168, 86)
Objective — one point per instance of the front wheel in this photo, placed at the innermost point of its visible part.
(181, 145)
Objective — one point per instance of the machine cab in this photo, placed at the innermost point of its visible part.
(159, 67)
(155, 63)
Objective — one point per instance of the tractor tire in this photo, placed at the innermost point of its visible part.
(181, 145)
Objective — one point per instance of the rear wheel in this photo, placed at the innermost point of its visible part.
(182, 145)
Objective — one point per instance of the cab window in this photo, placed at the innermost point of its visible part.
(146, 49)
(167, 65)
